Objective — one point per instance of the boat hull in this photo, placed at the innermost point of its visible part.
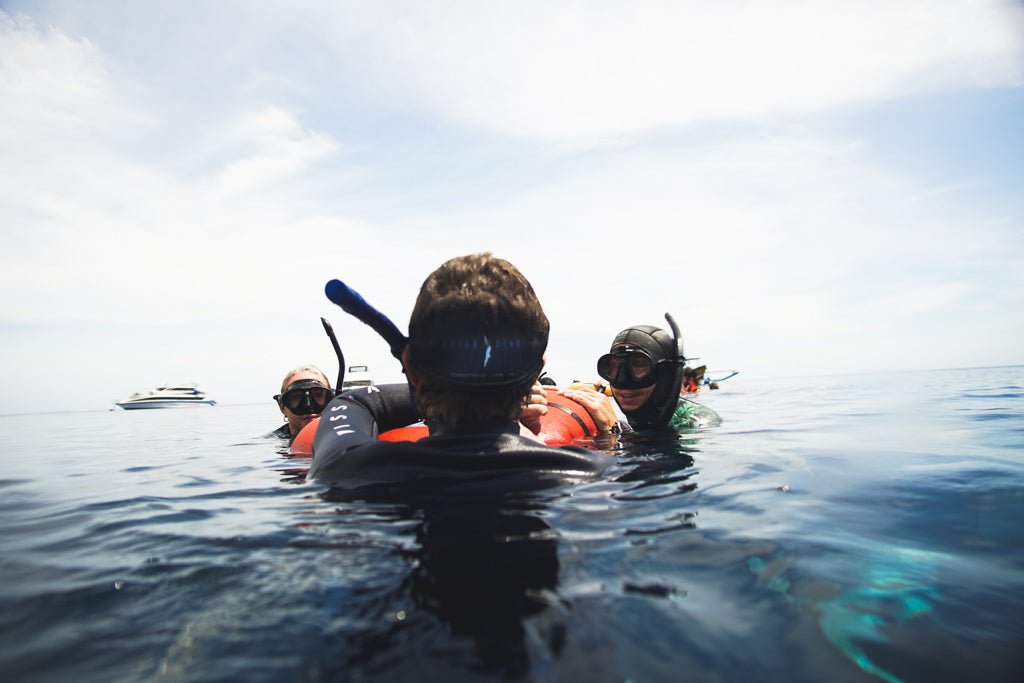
(165, 403)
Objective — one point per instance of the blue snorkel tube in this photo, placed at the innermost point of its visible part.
(355, 305)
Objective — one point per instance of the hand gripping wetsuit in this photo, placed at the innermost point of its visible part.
(346, 451)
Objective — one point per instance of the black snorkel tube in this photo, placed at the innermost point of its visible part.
(669, 402)
(337, 352)
(676, 337)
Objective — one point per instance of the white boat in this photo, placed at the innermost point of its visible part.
(357, 376)
(185, 396)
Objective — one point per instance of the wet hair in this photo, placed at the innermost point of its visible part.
(477, 337)
(301, 369)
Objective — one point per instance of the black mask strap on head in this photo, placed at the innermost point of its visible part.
(304, 384)
(458, 355)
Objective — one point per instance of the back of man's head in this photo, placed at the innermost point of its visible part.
(477, 337)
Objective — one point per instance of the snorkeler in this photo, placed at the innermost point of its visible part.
(305, 392)
(646, 368)
(475, 350)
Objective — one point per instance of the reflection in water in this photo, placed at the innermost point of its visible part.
(482, 585)
(478, 569)
(662, 462)
(482, 570)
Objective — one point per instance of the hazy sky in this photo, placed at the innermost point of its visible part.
(809, 187)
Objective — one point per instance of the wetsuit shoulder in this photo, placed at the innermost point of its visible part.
(355, 418)
(282, 432)
(479, 462)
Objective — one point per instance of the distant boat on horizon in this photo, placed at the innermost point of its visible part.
(182, 396)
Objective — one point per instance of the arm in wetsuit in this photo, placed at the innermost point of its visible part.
(346, 451)
(356, 417)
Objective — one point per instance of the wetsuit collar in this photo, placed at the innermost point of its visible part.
(477, 429)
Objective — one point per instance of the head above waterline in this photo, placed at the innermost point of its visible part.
(477, 337)
(305, 391)
(644, 368)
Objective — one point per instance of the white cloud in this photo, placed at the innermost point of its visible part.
(777, 254)
(216, 222)
(575, 70)
(588, 70)
(52, 82)
(98, 227)
(269, 146)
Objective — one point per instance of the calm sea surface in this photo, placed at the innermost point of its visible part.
(832, 528)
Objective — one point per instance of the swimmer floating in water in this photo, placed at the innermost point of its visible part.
(475, 350)
(646, 368)
(305, 392)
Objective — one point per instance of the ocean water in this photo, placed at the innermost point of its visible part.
(847, 528)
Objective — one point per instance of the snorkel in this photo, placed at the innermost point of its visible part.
(337, 352)
(355, 305)
(676, 383)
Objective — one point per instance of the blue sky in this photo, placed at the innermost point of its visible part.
(809, 187)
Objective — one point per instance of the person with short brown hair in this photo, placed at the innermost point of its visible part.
(477, 337)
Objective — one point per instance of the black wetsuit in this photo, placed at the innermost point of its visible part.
(346, 450)
(283, 432)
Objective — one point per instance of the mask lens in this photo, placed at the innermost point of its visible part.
(626, 370)
(608, 366)
(321, 397)
(639, 365)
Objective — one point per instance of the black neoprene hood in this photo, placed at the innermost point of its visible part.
(654, 340)
(660, 346)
